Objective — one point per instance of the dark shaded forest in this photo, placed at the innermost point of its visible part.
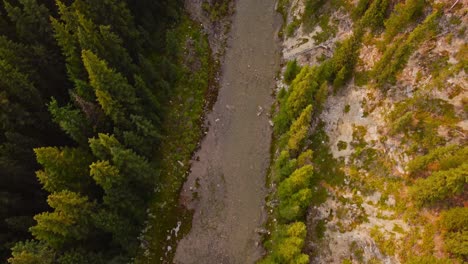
(82, 96)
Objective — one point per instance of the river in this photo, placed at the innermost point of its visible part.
(226, 185)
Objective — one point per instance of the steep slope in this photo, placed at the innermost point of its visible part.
(389, 142)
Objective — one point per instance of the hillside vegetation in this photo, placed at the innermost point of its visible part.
(369, 161)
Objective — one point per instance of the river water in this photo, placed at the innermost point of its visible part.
(226, 186)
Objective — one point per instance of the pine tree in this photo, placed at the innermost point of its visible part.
(299, 128)
(71, 120)
(302, 90)
(116, 97)
(64, 169)
(31, 252)
(31, 21)
(69, 222)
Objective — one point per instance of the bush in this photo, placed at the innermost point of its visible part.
(342, 145)
(421, 163)
(292, 27)
(457, 243)
(427, 260)
(455, 219)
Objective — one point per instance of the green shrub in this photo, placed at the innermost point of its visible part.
(292, 27)
(328, 29)
(457, 243)
(342, 145)
(320, 228)
(455, 219)
(428, 260)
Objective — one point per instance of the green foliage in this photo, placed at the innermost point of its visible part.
(455, 219)
(292, 27)
(360, 9)
(116, 97)
(305, 158)
(281, 120)
(292, 69)
(299, 179)
(284, 166)
(320, 229)
(457, 243)
(340, 78)
(326, 167)
(299, 128)
(427, 260)
(31, 21)
(311, 13)
(321, 97)
(440, 185)
(64, 169)
(419, 119)
(375, 14)
(455, 222)
(329, 29)
(396, 56)
(31, 252)
(69, 222)
(113, 51)
(70, 120)
(217, 9)
(80, 257)
(294, 207)
(344, 59)
(403, 14)
(301, 92)
(282, 8)
(342, 145)
(286, 245)
(442, 158)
